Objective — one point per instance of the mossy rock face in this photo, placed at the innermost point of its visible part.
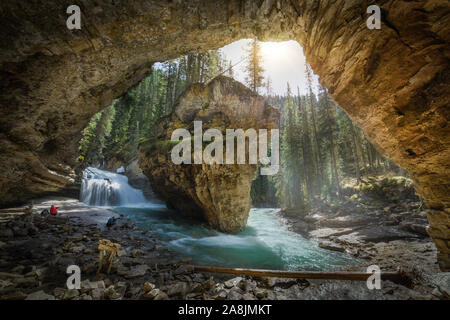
(382, 189)
(219, 194)
(152, 145)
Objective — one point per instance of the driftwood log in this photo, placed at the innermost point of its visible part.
(398, 277)
(108, 251)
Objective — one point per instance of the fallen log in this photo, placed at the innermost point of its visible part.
(398, 277)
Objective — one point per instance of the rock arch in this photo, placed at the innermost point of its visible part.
(393, 82)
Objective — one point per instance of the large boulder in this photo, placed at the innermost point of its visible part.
(217, 193)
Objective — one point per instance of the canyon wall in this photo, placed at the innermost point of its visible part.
(393, 82)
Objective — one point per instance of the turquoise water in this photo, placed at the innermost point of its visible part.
(266, 243)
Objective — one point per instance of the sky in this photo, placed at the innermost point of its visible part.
(283, 62)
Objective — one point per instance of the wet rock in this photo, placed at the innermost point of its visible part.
(197, 287)
(6, 233)
(284, 283)
(193, 295)
(57, 220)
(331, 246)
(16, 295)
(32, 230)
(28, 282)
(107, 282)
(77, 249)
(232, 282)
(90, 267)
(5, 283)
(39, 295)
(38, 273)
(415, 227)
(247, 285)
(235, 294)
(137, 271)
(221, 295)
(248, 296)
(178, 289)
(442, 283)
(121, 287)
(280, 296)
(183, 269)
(342, 290)
(87, 285)
(75, 237)
(18, 269)
(20, 232)
(98, 284)
(112, 294)
(59, 292)
(85, 297)
(131, 261)
(152, 294)
(70, 294)
(7, 275)
(260, 293)
(98, 294)
(270, 295)
(137, 253)
(149, 286)
(209, 284)
(161, 296)
(133, 293)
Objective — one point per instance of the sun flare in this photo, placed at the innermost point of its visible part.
(272, 50)
(276, 51)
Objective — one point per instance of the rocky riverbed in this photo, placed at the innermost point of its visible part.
(36, 250)
(383, 223)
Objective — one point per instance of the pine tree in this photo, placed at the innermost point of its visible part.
(230, 72)
(306, 149)
(253, 66)
(94, 153)
(317, 151)
(292, 164)
(268, 86)
(329, 128)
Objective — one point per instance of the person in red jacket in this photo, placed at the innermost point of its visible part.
(53, 210)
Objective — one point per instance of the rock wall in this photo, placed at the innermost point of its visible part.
(138, 180)
(393, 82)
(216, 193)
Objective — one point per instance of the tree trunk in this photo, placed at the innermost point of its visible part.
(316, 140)
(355, 154)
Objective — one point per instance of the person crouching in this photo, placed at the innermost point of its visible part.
(54, 210)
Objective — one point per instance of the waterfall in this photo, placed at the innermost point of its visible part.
(104, 188)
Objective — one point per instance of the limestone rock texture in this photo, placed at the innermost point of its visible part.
(138, 180)
(216, 193)
(393, 82)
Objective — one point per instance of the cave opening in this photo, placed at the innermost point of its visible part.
(382, 101)
(331, 174)
(111, 139)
